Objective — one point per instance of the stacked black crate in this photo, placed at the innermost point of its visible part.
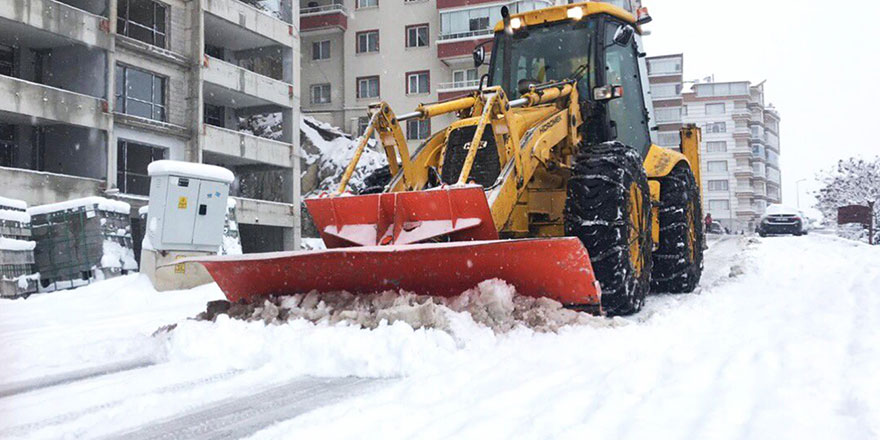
(82, 241)
(17, 277)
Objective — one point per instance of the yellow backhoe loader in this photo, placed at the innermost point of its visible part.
(547, 179)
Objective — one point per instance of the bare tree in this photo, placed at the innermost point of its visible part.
(852, 182)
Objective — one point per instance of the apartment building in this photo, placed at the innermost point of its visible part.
(740, 151)
(666, 80)
(92, 91)
(405, 52)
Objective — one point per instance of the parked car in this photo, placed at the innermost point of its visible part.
(716, 228)
(781, 219)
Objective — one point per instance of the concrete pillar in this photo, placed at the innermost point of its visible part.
(195, 146)
(290, 132)
(111, 99)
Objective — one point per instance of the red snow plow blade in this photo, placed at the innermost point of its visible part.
(461, 213)
(374, 245)
(557, 268)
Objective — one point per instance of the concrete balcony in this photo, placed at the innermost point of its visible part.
(744, 191)
(244, 87)
(261, 212)
(742, 153)
(52, 104)
(743, 172)
(454, 89)
(248, 20)
(233, 143)
(34, 19)
(451, 49)
(39, 188)
(323, 17)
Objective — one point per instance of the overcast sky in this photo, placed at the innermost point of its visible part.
(820, 60)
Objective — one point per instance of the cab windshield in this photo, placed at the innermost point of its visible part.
(542, 53)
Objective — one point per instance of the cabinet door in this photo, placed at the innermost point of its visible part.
(180, 210)
(210, 214)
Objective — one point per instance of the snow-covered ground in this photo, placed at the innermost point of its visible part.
(782, 341)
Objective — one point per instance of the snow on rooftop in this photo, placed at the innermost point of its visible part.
(13, 203)
(102, 204)
(143, 210)
(11, 244)
(15, 216)
(190, 169)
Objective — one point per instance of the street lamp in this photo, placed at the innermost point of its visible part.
(798, 189)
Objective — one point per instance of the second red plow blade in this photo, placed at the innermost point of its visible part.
(557, 268)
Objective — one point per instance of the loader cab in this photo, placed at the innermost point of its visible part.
(552, 51)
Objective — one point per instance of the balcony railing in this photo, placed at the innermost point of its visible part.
(459, 85)
(469, 34)
(323, 9)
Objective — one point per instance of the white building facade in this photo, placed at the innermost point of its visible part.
(740, 154)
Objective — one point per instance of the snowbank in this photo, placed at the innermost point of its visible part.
(11, 244)
(13, 203)
(334, 154)
(117, 256)
(102, 323)
(15, 216)
(102, 203)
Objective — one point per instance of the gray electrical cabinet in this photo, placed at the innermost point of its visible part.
(187, 205)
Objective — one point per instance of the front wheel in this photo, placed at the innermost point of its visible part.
(608, 207)
(678, 261)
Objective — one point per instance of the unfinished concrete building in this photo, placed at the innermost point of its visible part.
(92, 91)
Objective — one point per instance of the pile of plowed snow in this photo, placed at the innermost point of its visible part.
(493, 304)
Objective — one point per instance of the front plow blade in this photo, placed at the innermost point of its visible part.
(557, 268)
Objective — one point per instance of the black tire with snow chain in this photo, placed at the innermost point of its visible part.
(678, 261)
(608, 207)
(376, 181)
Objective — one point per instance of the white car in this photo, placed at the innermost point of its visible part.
(781, 219)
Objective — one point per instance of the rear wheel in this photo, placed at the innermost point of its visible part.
(376, 181)
(678, 261)
(608, 208)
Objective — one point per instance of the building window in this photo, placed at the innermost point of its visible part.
(718, 185)
(140, 93)
(321, 94)
(664, 66)
(215, 115)
(667, 114)
(669, 139)
(722, 89)
(7, 145)
(417, 35)
(715, 109)
(716, 165)
(143, 20)
(368, 41)
(719, 205)
(716, 127)
(367, 4)
(362, 123)
(418, 83)
(7, 60)
(716, 146)
(368, 87)
(321, 50)
(660, 91)
(464, 78)
(132, 160)
(417, 130)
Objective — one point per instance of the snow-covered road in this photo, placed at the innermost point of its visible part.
(783, 341)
